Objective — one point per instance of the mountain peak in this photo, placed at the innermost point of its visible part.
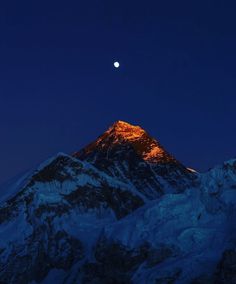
(122, 133)
(124, 130)
(146, 146)
(129, 153)
(122, 123)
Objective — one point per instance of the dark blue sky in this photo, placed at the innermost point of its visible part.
(59, 89)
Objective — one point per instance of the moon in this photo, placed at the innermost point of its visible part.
(116, 64)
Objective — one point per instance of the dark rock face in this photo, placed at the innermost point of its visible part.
(116, 263)
(158, 255)
(55, 171)
(226, 269)
(171, 279)
(43, 251)
(120, 201)
(126, 165)
(204, 279)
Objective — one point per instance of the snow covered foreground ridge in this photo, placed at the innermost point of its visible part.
(121, 210)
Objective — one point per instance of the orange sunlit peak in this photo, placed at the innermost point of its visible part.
(126, 130)
(123, 123)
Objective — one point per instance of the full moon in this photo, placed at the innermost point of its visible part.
(116, 64)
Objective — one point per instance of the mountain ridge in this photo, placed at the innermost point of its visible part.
(107, 214)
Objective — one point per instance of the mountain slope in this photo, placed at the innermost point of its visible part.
(178, 239)
(127, 152)
(63, 191)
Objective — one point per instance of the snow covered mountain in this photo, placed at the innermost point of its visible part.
(121, 210)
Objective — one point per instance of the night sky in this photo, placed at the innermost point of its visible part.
(59, 89)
